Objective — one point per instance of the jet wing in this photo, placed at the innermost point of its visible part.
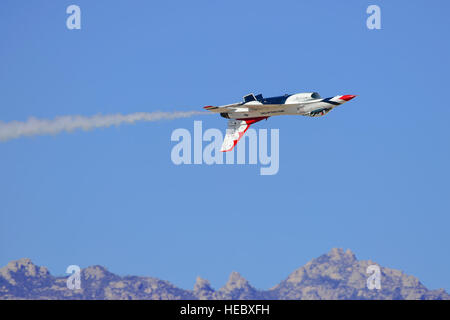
(250, 106)
(239, 107)
(235, 131)
(262, 107)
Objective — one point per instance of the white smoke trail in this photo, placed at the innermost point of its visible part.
(16, 129)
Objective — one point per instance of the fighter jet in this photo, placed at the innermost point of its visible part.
(255, 108)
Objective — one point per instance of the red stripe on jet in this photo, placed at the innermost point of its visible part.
(248, 121)
(347, 97)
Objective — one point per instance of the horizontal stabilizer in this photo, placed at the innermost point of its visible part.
(226, 108)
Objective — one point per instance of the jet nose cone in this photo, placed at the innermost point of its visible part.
(347, 97)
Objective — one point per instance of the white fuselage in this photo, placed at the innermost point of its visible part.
(257, 108)
(304, 104)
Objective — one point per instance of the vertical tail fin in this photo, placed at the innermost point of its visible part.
(235, 131)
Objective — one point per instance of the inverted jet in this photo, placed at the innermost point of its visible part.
(255, 108)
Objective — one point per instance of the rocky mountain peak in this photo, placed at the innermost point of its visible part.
(335, 275)
(96, 273)
(236, 281)
(202, 285)
(24, 267)
(203, 289)
(338, 254)
(238, 288)
(333, 265)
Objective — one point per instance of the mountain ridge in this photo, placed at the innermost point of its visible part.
(335, 275)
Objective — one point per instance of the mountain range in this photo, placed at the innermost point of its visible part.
(335, 275)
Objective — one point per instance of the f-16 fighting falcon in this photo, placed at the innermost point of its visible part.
(257, 108)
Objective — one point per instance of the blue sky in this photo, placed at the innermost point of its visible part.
(371, 176)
